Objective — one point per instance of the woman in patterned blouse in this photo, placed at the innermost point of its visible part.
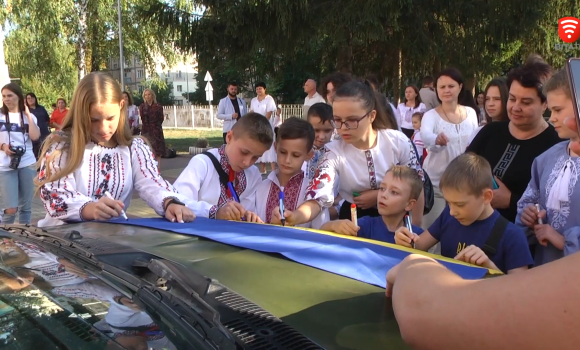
(95, 155)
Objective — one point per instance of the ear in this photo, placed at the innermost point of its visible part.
(460, 86)
(122, 103)
(276, 146)
(410, 204)
(229, 137)
(544, 106)
(487, 195)
(373, 115)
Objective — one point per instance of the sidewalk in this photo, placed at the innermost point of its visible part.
(170, 170)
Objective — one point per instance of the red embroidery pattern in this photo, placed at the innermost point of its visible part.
(240, 182)
(317, 182)
(291, 193)
(371, 169)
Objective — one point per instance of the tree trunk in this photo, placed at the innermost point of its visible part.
(81, 7)
(436, 66)
(344, 57)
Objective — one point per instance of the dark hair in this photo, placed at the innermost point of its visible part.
(533, 74)
(337, 79)
(256, 127)
(321, 110)
(559, 81)
(261, 84)
(14, 88)
(231, 83)
(295, 128)
(409, 175)
(465, 97)
(373, 80)
(468, 172)
(61, 99)
(31, 94)
(428, 80)
(417, 98)
(129, 97)
(53, 105)
(501, 84)
(418, 114)
(364, 93)
(385, 111)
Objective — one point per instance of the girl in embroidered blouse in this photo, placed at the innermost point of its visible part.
(366, 150)
(95, 154)
(554, 184)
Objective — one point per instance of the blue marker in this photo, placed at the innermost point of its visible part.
(282, 208)
(234, 195)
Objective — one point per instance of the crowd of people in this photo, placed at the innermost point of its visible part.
(490, 184)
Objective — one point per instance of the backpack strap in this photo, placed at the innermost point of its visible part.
(224, 178)
(490, 246)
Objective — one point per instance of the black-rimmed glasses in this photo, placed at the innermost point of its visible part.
(350, 124)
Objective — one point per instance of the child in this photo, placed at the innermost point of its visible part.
(416, 138)
(95, 155)
(208, 193)
(397, 196)
(554, 184)
(293, 147)
(469, 223)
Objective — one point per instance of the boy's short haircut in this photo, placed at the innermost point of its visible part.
(296, 128)
(410, 176)
(468, 173)
(256, 127)
(321, 110)
(418, 114)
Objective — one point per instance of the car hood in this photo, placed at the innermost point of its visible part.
(334, 311)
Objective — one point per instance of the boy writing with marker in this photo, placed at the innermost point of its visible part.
(288, 182)
(397, 196)
(469, 225)
(221, 183)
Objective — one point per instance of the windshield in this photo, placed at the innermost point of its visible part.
(47, 302)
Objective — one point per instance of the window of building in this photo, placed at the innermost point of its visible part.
(179, 74)
(140, 73)
(179, 88)
(115, 65)
(141, 88)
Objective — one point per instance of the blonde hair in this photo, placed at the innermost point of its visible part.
(469, 173)
(152, 93)
(95, 88)
(402, 172)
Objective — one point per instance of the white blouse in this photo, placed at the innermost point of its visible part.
(439, 157)
(267, 198)
(360, 170)
(199, 183)
(406, 114)
(266, 105)
(133, 116)
(117, 170)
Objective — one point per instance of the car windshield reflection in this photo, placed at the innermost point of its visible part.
(47, 302)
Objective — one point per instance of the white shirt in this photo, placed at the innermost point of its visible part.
(418, 142)
(406, 114)
(474, 133)
(18, 136)
(309, 101)
(360, 170)
(440, 156)
(199, 183)
(133, 116)
(263, 107)
(117, 170)
(267, 198)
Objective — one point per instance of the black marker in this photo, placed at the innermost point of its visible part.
(407, 220)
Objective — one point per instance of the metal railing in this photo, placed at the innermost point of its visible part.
(205, 116)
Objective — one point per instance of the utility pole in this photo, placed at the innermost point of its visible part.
(121, 58)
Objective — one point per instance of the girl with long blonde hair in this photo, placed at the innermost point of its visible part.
(94, 156)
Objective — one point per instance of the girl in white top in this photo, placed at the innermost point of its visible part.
(18, 128)
(266, 106)
(406, 110)
(95, 154)
(445, 131)
(132, 113)
(366, 150)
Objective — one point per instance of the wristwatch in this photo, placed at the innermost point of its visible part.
(173, 200)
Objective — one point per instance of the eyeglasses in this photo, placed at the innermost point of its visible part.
(350, 124)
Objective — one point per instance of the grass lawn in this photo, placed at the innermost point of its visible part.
(182, 139)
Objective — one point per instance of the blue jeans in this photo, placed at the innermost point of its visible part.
(16, 191)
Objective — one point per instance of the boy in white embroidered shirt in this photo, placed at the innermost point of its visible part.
(294, 141)
(416, 138)
(210, 197)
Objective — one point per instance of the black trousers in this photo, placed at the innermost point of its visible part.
(344, 213)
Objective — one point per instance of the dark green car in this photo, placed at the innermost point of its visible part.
(262, 301)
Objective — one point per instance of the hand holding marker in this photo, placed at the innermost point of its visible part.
(234, 194)
(407, 220)
(353, 215)
(108, 195)
(281, 196)
(540, 221)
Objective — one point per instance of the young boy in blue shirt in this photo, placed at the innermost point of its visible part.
(397, 196)
(466, 224)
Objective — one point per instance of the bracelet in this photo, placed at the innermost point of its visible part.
(173, 200)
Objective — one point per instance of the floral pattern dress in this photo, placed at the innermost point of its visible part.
(152, 120)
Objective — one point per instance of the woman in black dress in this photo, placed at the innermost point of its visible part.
(152, 120)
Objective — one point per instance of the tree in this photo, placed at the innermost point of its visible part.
(163, 92)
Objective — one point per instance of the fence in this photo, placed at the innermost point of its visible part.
(205, 116)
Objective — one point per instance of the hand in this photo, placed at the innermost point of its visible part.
(404, 237)
(409, 261)
(546, 233)
(6, 149)
(474, 255)
(529, 216)
(103, 210)
(288, 215)
(441, 140)
(345, 227)
(571, 124)
(502, 196)
(72, 268)
(27, 112)
(235, 116)
(231, 211)
(250, 216)
(179, 213)
(367, 199)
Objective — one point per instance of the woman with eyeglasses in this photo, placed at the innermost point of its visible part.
(366, 150)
